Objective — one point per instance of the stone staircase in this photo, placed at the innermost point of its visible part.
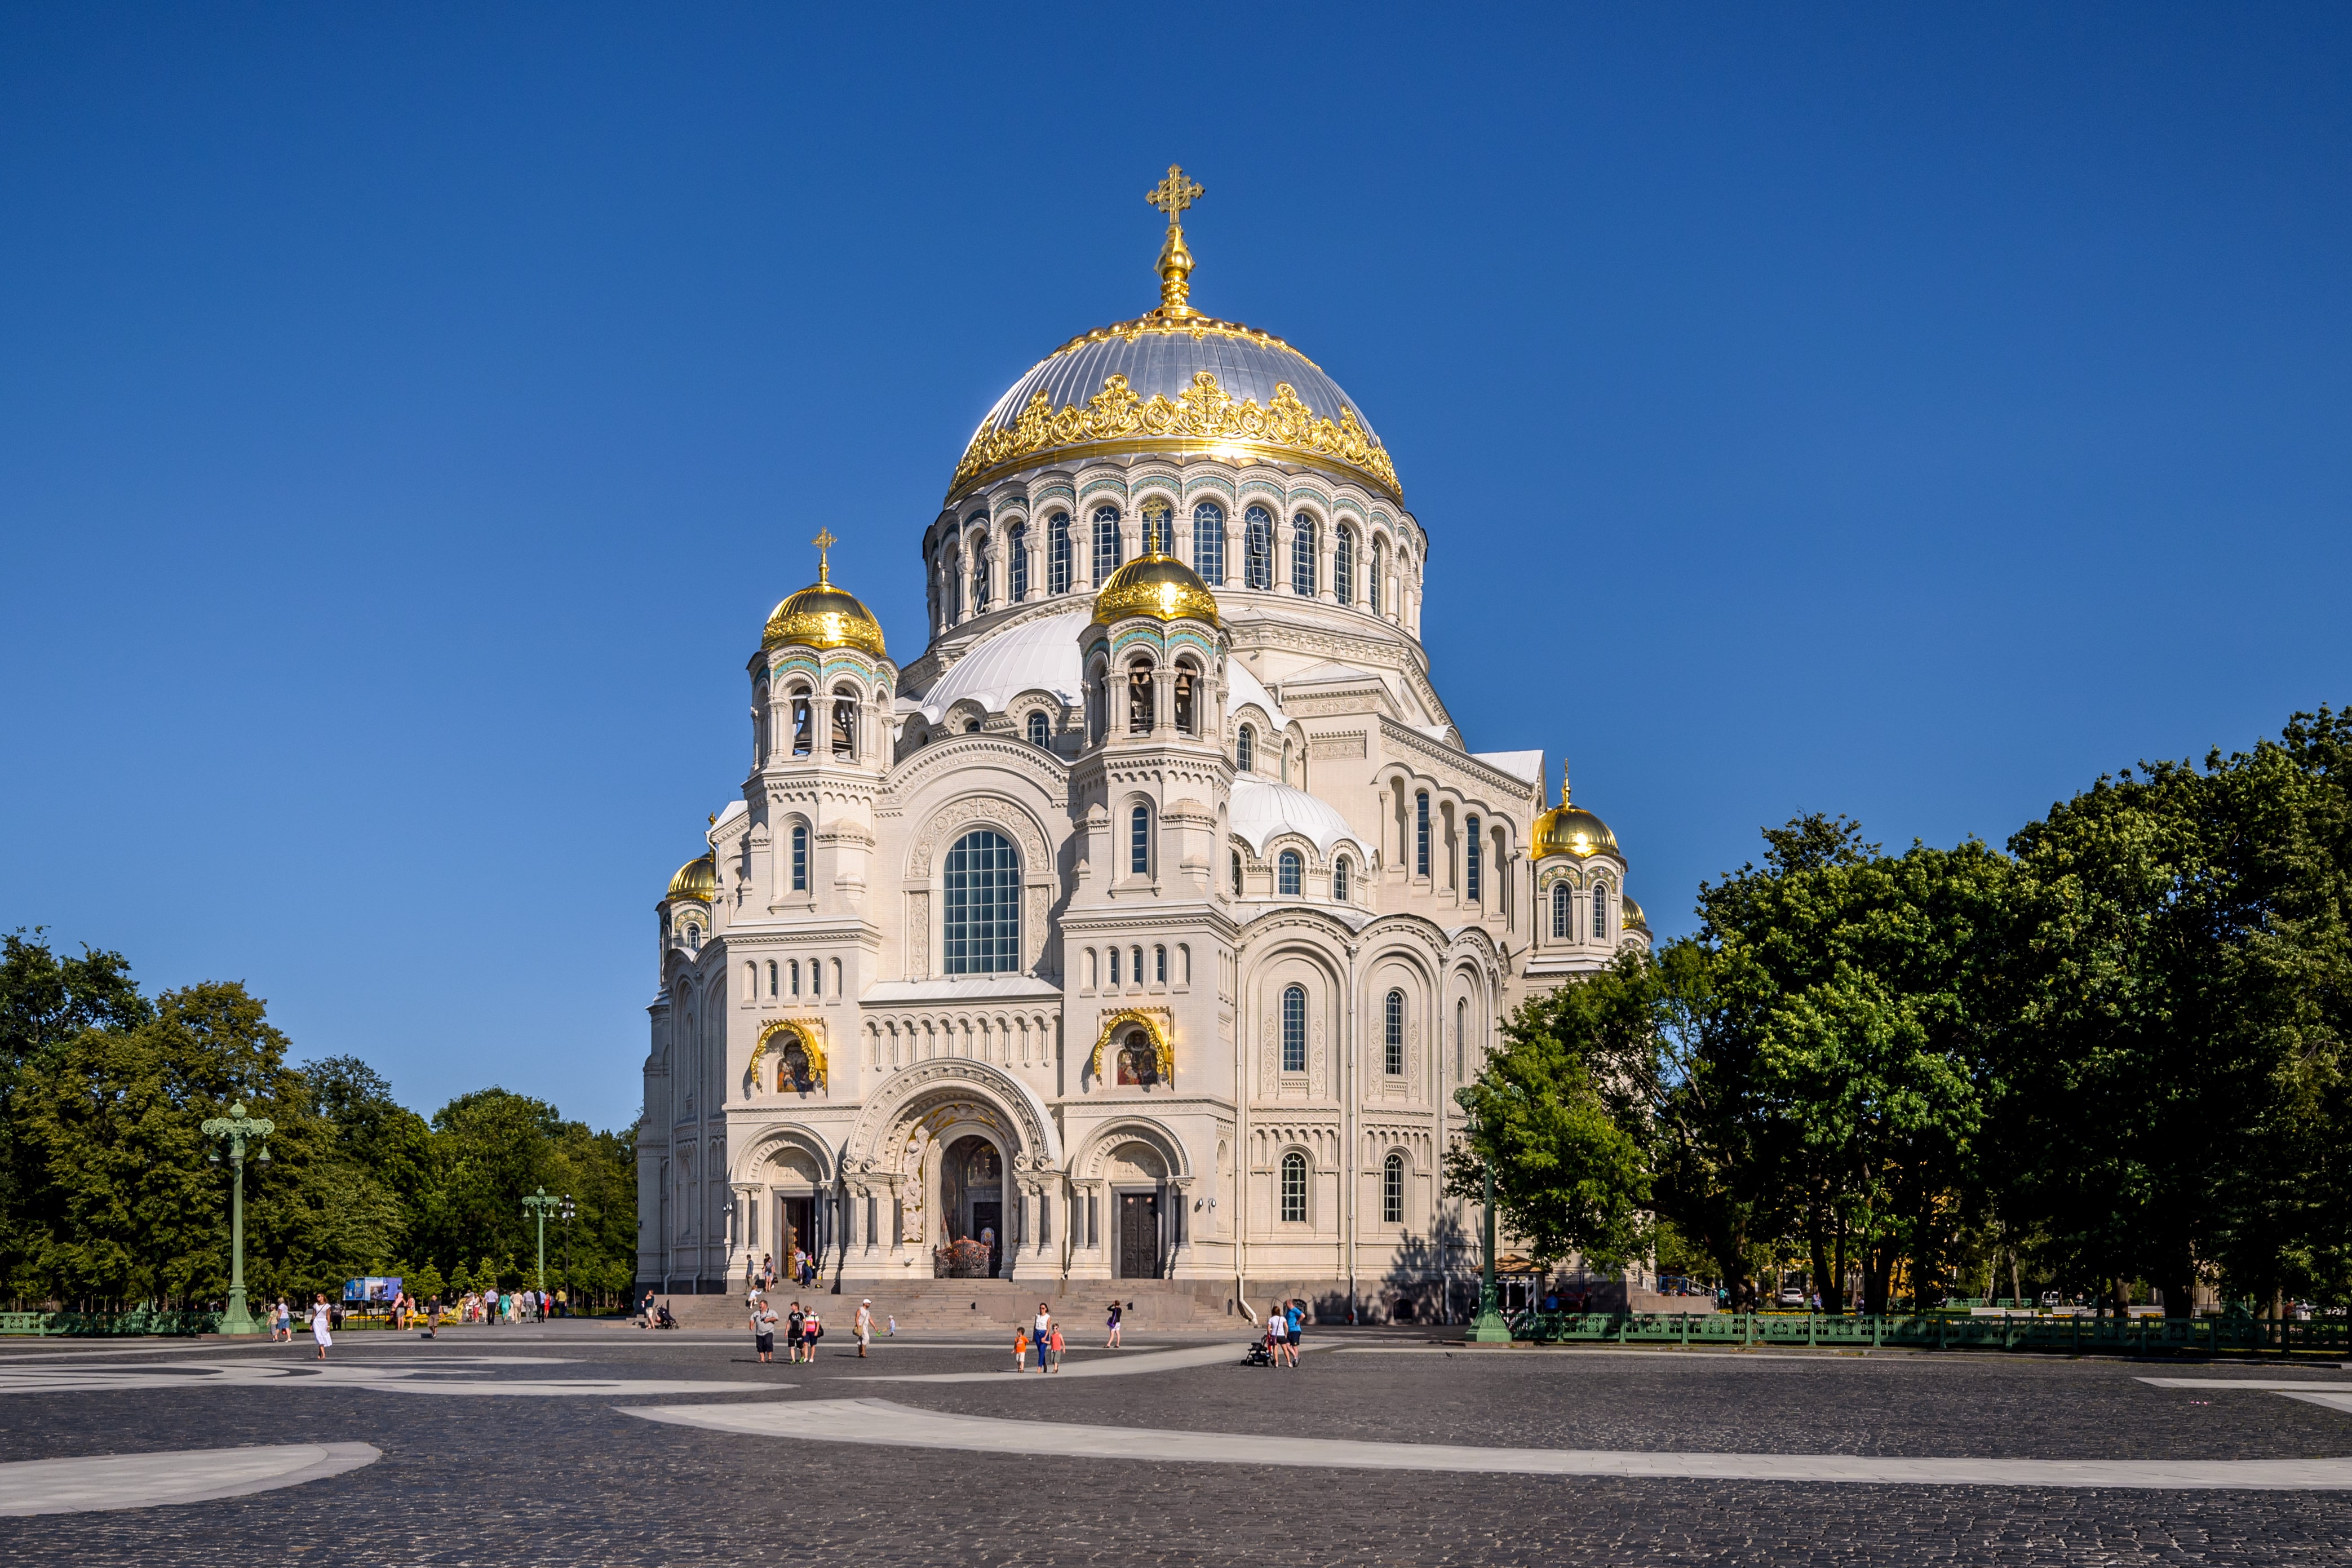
(987, 1307)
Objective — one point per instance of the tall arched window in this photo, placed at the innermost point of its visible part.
(793, 968)
(1057, 554)
(979, 555)
(1461, 1038)
(1209, 543)
(693, 937)
(1294, 1187)
(845, 721)
(1245, 748)
(1105, 543)
(1257, 548)
(1114, 968)
(1040, 732)
(772, 977)
(1288, 869)
(1562, 915)
(1339, 880)
(1016, 560)
(1138, 698)
(1138, 841)
(801, 721)
(1421, 834)
(1302, 554)
(1187, 686)
(1343, 565)
(955, 589)
(1159, 965)
(1294, 1028)
(1237, 872)
(1392, 1034)
(981, 927)
(1473, 855)
(1392, 1190)
(1159, 527)
(800, 857)
(1379, 566)
(1600, 914)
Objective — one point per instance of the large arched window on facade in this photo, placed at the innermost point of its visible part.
(1294, 1187)
(1392, 1190)
(1209, 543)
(1302, 555)
(1343, 565)
(1016, 562)
(1257, 548)
(1159, 527)
(1289, 869)
(1600, 914)
(1105, 543)
(1294, 1028)
(1057, 554)
(1563, 914)
(980, 928)
(1392, 1034)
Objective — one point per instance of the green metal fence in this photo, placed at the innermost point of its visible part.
(110, 1323)
(1934, 1330)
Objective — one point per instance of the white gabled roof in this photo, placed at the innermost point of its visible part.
(1242, 687)
(1528, 765)
(1035, 655)
(1262, 808)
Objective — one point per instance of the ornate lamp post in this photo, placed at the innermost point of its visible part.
(1490, 1329)
(540, 1203)
(238, 1127)
(570, 1291)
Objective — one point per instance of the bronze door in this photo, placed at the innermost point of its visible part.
(1139, 1236)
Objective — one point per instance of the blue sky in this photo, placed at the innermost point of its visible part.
(408, 414)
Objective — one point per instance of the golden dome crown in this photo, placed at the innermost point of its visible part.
(1629, 914)
(1568, 829)
(1157, 586)
(823, 615)
(697, 880)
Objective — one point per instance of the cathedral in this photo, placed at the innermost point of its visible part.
(1142, 926)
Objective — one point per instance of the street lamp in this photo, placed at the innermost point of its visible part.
(1490, 1329)
(238, 1127)
(567, 1213)
(540, 1203)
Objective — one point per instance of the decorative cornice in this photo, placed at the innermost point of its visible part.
(1116, 487)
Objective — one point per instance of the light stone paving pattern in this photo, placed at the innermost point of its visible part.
(427, 1375)
(1109, 1365)
(111, 1481)
(883, 1422)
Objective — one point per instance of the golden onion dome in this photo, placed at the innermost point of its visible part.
(822, 615)
(1568, 829)
(1157, 586)
(697, 880)
(1629, 913)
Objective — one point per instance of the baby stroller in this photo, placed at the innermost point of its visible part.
(666, 1320)
(1258, 1354)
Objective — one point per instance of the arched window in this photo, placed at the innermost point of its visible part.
(1302, 554)
(1473, 855)
(1159, 965)
(955, 589)
(1421, 834)
(1294, 1028)
(1339, 880)
(1105, 543)
(1561, 917)
(693, 937)
(1392, 1190)
(800, 857)
(845, 721)
(1392, 1034)
(1138, 698)
(772, 977)
(1245, 748)
(1209, 543)
(1600, 914)
(800, 722)
(1288, 869)
(1040, 732)
(1138, 841)
(1016, 560)
(978, 576)
(1379, 565)
(1257, 548)
(1057, 553)
(1159, 527)
(1294, 1187)
(1187, 684)
(981, 931)
(793, 966)
(1114, 968)
(1237, 873)
(1343, 565)
(816, 976)
(1461, 1037)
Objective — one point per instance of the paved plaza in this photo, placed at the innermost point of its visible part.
(591, 1443)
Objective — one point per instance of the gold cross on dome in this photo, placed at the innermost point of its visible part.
(1174, 193)
(824, 541)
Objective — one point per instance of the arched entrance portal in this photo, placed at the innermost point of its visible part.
(972, 1195)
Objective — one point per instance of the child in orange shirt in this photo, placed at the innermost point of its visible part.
(1020, 1349)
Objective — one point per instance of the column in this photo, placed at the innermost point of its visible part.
(1282, 554)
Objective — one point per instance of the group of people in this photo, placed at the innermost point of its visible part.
(802, 1328)
(321, 1317)
(1044, 1335)
(1283, 1321)
(762, 1280)
(511, 1306)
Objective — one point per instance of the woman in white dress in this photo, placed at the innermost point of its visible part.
(319, 1319)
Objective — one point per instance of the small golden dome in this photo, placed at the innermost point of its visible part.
(1157, 586)
(1568, 829)
(825, 616)
(1629, 913)
(697, 880)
